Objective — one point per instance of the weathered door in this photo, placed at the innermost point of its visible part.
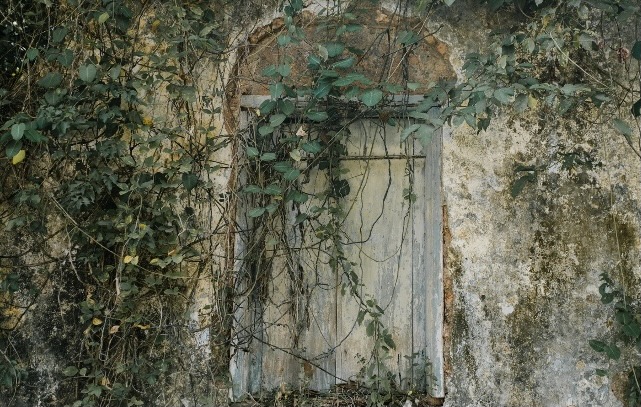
(305, 325)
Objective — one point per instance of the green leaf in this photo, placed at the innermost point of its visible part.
(322, 89)
(265, 130)
(613, 352)
(189, 181)
(32, 54)
(273, 189)
(312, 147)
(114, 73)
(601, 372)
(636, 51)
(520, 183)
(87, 73)
(50, 80)
(314, 62)
(371, 97)
(282, 166)
(17, 131)
(35, 136)
(448, 2)
(622, 127)
(256, 212)
(597, 345)
(632, 330)
(66, 58)
(13, 148)
(276, 90)
(345, 63)
(70, 371)
(425, 133)
(340, 188)
(102, 18)
(409, 130)
(268, 157)
(504, 95)
(389, 341)
(291, 174)
(252, 152)
(277, 119)
(284, 70)
(371, 327)
(334, 48)
(283, 40)
(252, 189)
(286, 106)
(59, 34)
(317, 116)
(636, 108)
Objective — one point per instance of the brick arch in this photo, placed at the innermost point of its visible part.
(385, 59)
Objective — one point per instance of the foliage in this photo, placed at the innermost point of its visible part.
(628, 332)
(90, 162)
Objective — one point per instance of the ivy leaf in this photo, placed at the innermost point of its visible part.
(35, 136)
(87, 73)
(277, 119)
(312, 147)
(636, 108)
(622, 127)
(252, 152)
(334, 48)
(284, 70)
(636, 51)
(632, 330)
(70, 371)
(504, 95)
(252, 189)
(103, 18)
(273, 189)
(340, 188)
(256, 212)
(597, 345)
(50, 80)
(190, 181)
(409, 130)
(613, 352)
(291, 174)
(371, 97)
(13, 148)
(345, 63)
(276, 90)
(268, 157)
(32, 54)
(17, 131)
(317, 116)
(601, 372)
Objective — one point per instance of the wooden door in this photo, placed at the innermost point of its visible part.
(301, 328)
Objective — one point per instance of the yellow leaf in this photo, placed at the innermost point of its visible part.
(142, 226)
(96, 321)
(134, 261)
(147, 121)
(143, 327)
(18, 157)
(114, 329)
(128, 259)
(532, 102)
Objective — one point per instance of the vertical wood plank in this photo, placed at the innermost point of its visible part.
(434, 263)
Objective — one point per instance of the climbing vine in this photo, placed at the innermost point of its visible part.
(111, 149)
